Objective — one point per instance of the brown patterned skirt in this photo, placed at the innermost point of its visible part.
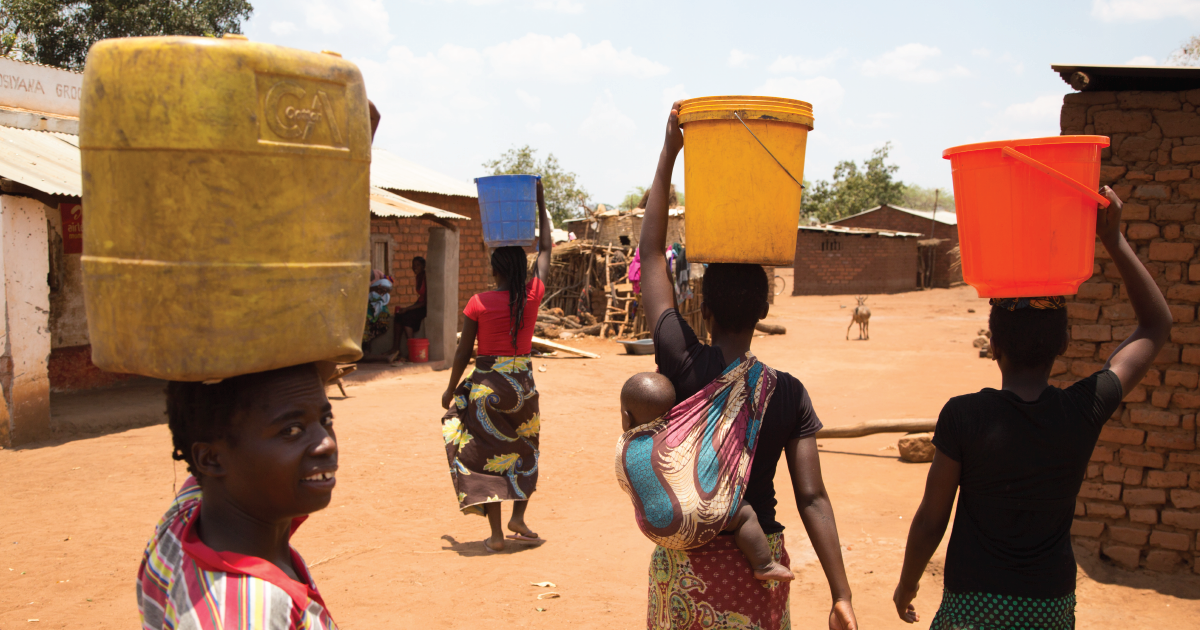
(491, 434)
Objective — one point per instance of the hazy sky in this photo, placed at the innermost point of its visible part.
(460, 81)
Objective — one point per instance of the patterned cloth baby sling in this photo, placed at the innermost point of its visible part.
(687, 471)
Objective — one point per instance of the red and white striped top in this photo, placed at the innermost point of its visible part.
(184, 583)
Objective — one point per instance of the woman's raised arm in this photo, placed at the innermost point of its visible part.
(658, 293)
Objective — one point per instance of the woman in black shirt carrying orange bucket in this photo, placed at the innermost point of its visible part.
(1017, 456)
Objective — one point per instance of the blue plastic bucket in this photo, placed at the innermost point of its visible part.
(508, 209)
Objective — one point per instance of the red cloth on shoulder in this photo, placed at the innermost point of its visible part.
(490, 310)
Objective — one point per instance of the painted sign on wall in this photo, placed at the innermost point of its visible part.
(39, 88)
(72, 222)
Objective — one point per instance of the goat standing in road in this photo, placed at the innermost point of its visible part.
(862, 317)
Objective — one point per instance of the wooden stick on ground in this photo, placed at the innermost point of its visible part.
(916, 425)
(543, 344)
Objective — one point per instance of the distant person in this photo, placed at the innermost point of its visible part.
(262, 456)
(715, 577)
(1017, 457)
(492, 424)
(645, 399)
(379, 320)
(411, 316)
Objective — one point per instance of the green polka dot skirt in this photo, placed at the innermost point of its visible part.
(984, 611)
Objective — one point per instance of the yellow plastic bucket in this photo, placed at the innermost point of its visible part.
(227, 192)
(743, 164)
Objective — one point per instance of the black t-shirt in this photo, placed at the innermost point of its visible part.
(1022, 465)
(692, 365)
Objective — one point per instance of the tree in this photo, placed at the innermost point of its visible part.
(854, 188)
(60, 32)
(921, 198)
(634, 197)
(564, 195)
(1188, 54)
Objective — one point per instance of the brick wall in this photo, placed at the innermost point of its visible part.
(412, 235)
(1140, 503)
(886, 218)
(833, 263)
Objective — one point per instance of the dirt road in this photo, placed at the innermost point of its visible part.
(392, 551)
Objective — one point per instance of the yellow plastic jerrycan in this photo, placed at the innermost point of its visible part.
(743, 165)
(227, 192)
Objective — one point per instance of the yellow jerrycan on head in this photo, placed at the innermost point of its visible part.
(743, 168)
(226, 184)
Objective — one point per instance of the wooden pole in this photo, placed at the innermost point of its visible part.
(932, 230)
(878, 426)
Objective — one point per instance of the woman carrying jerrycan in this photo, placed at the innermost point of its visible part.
(1017, 457)
(712, 585)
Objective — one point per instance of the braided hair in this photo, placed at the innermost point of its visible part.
(510, 263)
(200, 413)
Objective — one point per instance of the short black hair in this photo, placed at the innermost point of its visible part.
(647, 396)
(735, 294)
(199, 412)
(420, 259)
(1029, 337)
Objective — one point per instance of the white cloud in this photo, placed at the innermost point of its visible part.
(367, 18)
(672, 94)
(1138, 10)
(540, 129)
(560, 6)
(1038, 117)
(824, 93)
(877, 120)
(530, 100)
(806, 65)
(981, 52)
(1142, 60)
(606, 122)
(566, 60)
(282, 29)
(907, 63)
(445, 80)
(738, 59)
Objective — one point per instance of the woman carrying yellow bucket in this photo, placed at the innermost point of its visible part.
(712, 586)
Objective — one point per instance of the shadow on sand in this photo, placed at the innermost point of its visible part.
(476, 548)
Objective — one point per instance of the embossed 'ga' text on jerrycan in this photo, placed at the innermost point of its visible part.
(226, 188)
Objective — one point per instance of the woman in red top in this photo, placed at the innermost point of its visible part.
(492, 423)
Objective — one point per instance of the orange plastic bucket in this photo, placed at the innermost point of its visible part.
(1027, 213)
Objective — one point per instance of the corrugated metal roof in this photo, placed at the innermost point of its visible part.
(945, 217)
(44, 160)
(856, 231)
(386, 204)
(394, 173)
(1113, 78)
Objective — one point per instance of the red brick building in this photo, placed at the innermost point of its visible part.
(410, 236)
(836, 260)
(943, 226)
(1140, 503)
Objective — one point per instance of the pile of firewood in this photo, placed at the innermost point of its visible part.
(553, 324)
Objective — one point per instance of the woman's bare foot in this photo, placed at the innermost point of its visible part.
(493, 545)
(774, 571)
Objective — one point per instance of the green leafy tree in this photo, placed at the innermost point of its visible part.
(854, 188)
(921, 198)
(634, 197)
(60, 32)
(564, 195)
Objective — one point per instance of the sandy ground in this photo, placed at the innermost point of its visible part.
(392, 551)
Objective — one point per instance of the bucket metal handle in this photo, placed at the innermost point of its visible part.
(1035, 164)
(760, 143)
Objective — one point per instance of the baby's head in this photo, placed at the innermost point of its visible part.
(645, 397)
